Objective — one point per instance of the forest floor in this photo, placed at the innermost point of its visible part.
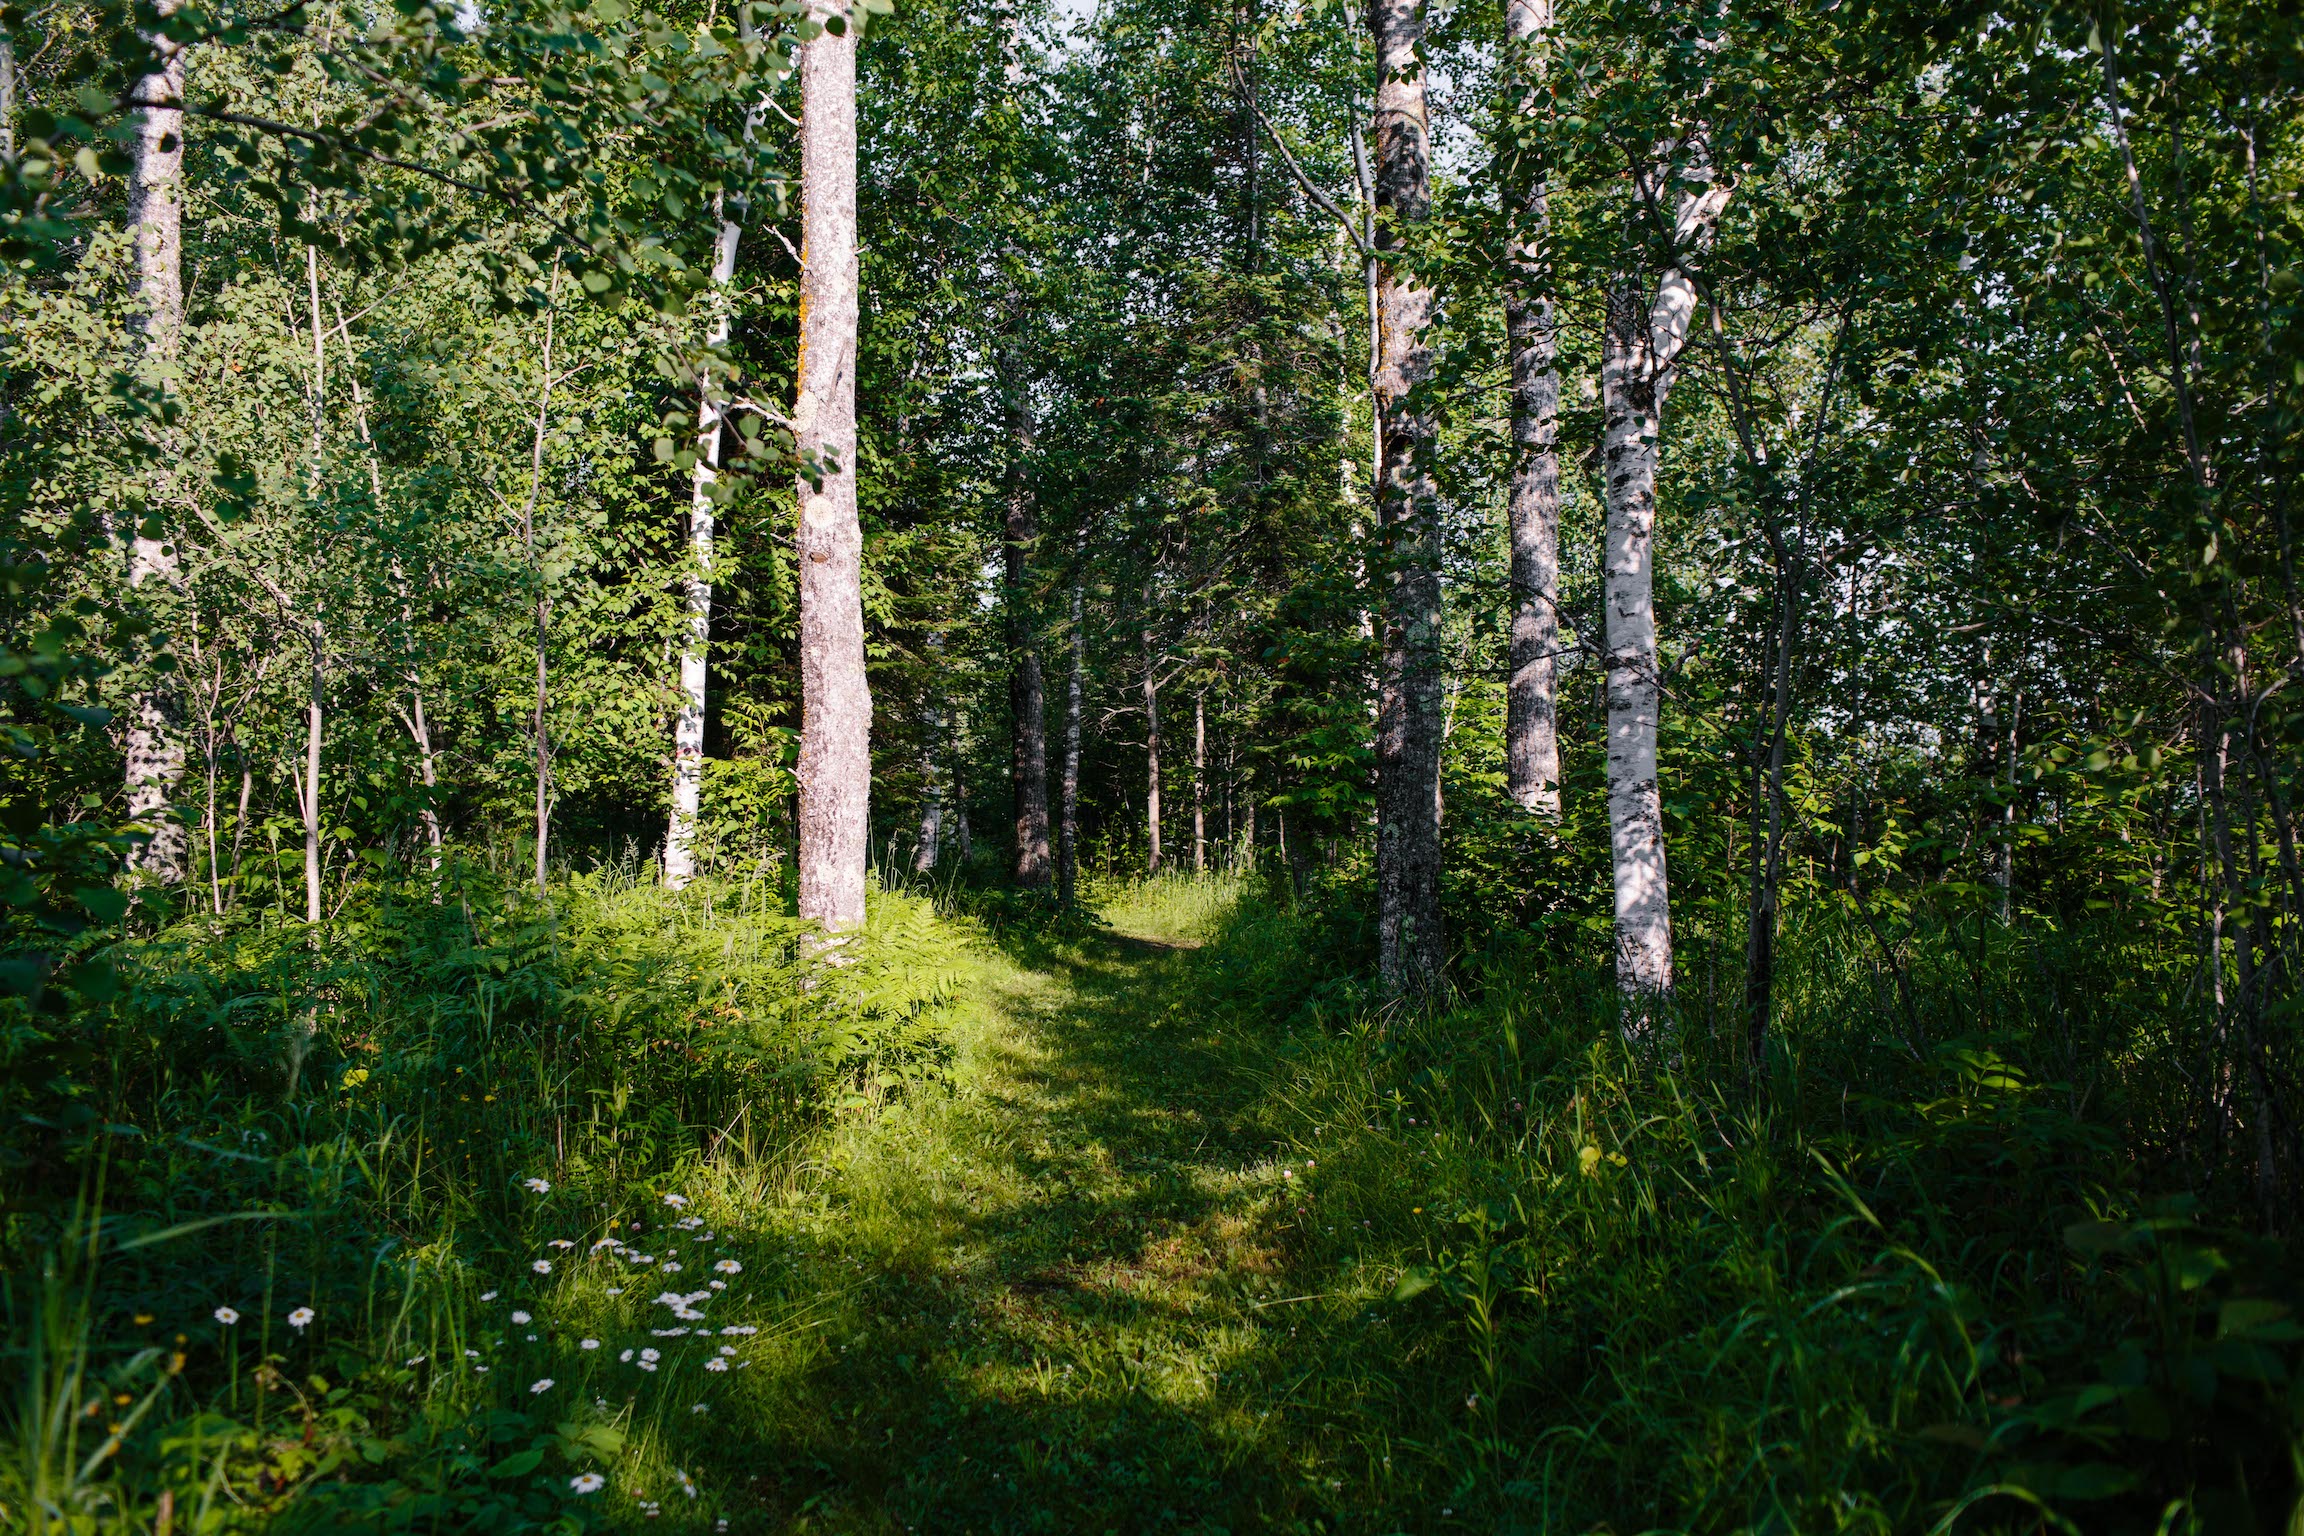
(1071, 1296)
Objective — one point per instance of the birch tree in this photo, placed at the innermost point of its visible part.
(1410, 945)
(696, 637)
(1645, 331)
(835, 767)
(155, 742)
(1028, 702)
(1531, 732)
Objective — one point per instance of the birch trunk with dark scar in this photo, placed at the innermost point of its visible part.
(1641, 344)
(1068, 818)
(1408, 712)
(1531, 732)
(696, 640)
(1151, 745)
(835, 767)
(308, 782)
(1027, 695)
(154, 746)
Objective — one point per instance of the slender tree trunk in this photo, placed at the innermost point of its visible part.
(1768, 814)
(1068, 820)
(542, 599)
(1531, 732)
(959, 766)
(1410, 945)
(835, 698)
(1151, 754)
(696, 642)
(1027, 692)
(931, 839)
(240, 819)
(1199, 783)
(308, 791)
(155, 743)
(1641, 346)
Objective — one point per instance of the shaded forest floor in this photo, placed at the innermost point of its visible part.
(1071, 1297)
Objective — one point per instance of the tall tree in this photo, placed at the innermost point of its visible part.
(155, 741)
(835, 768)
(1645, 331)
(696, 639)
(1531, 732)
(1027, 696)
(1410, 945)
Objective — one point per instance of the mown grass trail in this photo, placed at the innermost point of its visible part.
(1063, 1298)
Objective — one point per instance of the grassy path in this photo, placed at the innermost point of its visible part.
(1063, 1298)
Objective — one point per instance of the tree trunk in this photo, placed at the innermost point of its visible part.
(1641, 346)
(1068, 820)
(1531, 732)
(931, 841)
(696, 643)
(835, 699)
(1408, 726)
(308, 788)
(155, 744)
(958, 775)
(1151, 754)
(1199, 783)
(542, 600)
(1768, 816)
(1027, 695)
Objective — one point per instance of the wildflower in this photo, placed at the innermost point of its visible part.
(519, 1317)
(559, 1242)
(649, 1357)
(587, 1482)
(415, 1359)
(615, 1290)
(648, 1365)
(588, 1344)
(625, 1357)
(701, 1408)
(298, 1318)
(481, 1369)
(675, 1201)
(715, 1364)
(1588, 1159)
(729, 1349)
(227, 1316)
(719, 1285)
(541, 1387)
(729, 1267)
(542, 1266)
(539, 1186)
(687, 1484)
(671, 1266)
(487, 1295)
(471, 1354)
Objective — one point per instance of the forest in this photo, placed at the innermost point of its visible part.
(1127, 765)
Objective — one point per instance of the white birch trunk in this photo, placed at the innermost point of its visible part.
(835, 699)
(1151, 753)
(1068, 818)
(543, 600)
(1199, 784)
(1640, 350)
(696, 640)
(154, 746)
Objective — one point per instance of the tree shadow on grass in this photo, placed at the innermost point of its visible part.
(1101, 1331)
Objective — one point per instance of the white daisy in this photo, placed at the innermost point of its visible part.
(587, 1482)
(538, 1186)
(227, 1316)
(298, 1318)
(542, 1386)
(542, 1266)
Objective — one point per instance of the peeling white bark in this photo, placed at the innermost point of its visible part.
(696, 640)
(1644, 336)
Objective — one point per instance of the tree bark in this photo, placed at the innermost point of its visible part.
(1151, 751)
(1028, 708)
(1531, 732)
(541, 598)
(1768, 816)
(155, 742)
(1199, 783)
(1644, 336)
(1068, 819)
(1410, 948)
(835, 698)
(696, 642)
(308, 782)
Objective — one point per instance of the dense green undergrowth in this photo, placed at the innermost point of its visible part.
(280, 1232)
(1147, 1218)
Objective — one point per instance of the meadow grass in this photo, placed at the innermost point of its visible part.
(1143, 1220)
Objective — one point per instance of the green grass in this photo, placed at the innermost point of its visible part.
(1145, 1223)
